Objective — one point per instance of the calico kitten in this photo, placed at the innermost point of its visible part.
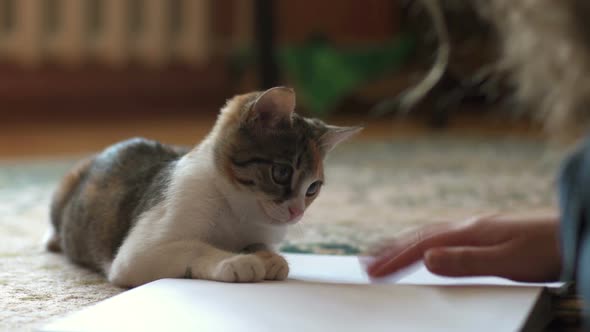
(141, 210)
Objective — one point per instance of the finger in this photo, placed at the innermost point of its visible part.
(408, 249)
(406, 237)
(387, 244)
(469, 261)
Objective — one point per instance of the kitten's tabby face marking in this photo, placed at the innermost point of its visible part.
(285, 181)
(277, 155)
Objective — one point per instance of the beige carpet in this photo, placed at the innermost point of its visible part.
(373, 191)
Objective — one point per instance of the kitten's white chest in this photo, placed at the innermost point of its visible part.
(234, 233)
(207, 208)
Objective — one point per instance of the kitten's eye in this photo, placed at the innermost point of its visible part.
(281, 173)
(313, 188)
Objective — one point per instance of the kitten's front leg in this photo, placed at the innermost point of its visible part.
(183, 258)
(275, 265)
(236, 268)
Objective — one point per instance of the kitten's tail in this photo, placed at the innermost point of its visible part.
(59, 200)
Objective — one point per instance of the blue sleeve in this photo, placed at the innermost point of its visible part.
(574, 204)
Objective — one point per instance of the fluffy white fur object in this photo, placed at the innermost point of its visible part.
(546, 51)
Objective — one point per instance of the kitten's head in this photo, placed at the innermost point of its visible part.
(273, 156)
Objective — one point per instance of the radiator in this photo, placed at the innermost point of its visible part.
(151, 33)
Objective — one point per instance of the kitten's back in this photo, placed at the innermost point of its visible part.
(61, 197)
(99, 200)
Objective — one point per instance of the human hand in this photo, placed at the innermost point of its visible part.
(520, 249)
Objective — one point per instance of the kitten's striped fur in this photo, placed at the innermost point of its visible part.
(141, 210)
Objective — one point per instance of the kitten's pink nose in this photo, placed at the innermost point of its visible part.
(295, 212)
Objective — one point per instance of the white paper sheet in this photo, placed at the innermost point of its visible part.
(349, 269)
(331, 293)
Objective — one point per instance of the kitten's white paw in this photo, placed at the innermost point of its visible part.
(275, 265)
(240, 268)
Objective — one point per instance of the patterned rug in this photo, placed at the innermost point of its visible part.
(373, 191)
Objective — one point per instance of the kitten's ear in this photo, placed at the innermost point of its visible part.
(273, 107)
(336, 135)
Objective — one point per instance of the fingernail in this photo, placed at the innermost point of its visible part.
(432, 259)
(371, 268)
(375, 270)
(376, 273)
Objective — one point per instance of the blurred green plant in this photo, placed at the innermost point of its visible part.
(323, 74)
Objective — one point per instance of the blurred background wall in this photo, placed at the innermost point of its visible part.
(85, 58)
(77, 57)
